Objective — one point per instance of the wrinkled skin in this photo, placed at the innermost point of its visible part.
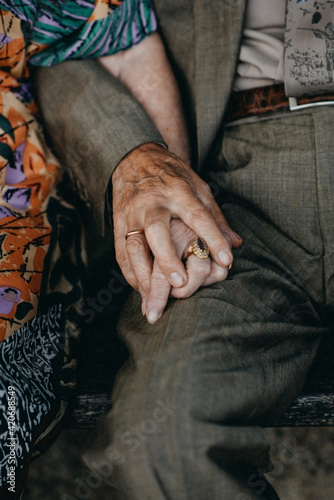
(156, 191)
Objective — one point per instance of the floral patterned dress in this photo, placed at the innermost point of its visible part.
(37, 287)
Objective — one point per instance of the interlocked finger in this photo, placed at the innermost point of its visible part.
(199, 271)
(140, 260)
(218, 273)
(158, 234)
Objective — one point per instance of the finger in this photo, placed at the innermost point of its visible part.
(198, 272)
(218, 273)
(158, 296)
(180, 234)
(140, 260)
(122, 257)
(158, 235)
(123, 261)
(206, 197)
(201, 221)
(196, 268)
(143, 300)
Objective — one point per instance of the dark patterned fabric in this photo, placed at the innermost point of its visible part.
(27, 389)
(37, 362)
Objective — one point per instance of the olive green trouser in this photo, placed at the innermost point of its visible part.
(188, 405)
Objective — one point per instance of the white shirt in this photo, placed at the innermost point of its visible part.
(262, 46)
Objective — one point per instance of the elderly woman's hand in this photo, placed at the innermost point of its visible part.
(201, 272)
(151, 187)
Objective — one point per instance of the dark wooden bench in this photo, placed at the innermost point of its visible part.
(315, 405)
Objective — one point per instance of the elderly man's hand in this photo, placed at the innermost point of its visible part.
(151, 187)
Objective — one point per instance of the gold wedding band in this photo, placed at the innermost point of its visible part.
(199, 248)
(230, 267)
(133, 231)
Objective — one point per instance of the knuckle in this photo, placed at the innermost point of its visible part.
(135, 245)
(204, 272)
(165, 264)
(123, 262)
(154, 226)
(200, 214)
(179, 186)
(200, 269)
(181, 294)
(180, 183)
(132, 194)
(158, 276)
(221, 274)
(206, 190)
(122, 259)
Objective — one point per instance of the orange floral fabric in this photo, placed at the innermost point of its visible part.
(28, 176)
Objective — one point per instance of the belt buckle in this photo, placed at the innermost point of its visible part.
(294, 106)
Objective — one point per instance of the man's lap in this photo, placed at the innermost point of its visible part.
(236, 353)
(230, 357)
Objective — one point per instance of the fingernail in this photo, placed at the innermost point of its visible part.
(176, 279)
(224, 258)
(153, 316)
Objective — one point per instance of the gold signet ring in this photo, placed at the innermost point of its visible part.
(199, 248)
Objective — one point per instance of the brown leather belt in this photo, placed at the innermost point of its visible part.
(269, 99)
